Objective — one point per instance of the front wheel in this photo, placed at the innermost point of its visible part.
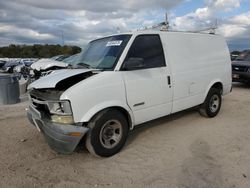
(212, 104)
(108, 133)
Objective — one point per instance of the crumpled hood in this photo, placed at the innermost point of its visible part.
(44, 64)
(51, 80)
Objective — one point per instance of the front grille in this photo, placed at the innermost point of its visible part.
(39, 99)
(240, 68)
(39, 104)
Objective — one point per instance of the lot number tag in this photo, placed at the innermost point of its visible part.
(114, 43)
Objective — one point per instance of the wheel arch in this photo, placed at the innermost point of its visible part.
(125, 110)
(218, 85)
(214, 84)
(125, 113)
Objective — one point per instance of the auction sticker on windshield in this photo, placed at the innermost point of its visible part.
(114, 43)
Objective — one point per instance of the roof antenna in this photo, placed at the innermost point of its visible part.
(165, 25)
(212, 31)
(166, 21)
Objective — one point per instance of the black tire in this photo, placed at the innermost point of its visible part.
(211, 107)
(99, 141)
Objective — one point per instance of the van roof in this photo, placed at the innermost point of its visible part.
(138, 32)
(159, 32)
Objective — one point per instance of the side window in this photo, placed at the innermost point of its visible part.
(149, 49)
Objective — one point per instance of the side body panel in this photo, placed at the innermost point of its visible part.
(197, 62)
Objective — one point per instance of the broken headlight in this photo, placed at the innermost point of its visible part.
(60, 112)
(60, 108)
(62, 119)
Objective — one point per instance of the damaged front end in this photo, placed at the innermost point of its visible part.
(44, 67)
(53, 116)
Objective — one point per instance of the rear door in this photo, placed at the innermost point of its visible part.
(148, 88)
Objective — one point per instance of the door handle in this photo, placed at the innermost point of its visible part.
(169, 80)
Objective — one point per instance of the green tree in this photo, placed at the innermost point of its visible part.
(37, 51)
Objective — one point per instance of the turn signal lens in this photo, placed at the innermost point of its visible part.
(62, 119)
(75, 134)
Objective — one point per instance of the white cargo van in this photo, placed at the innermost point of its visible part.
(125, 80)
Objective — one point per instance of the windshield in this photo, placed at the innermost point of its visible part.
(244, 56)
(103, 53)
(55, 57)
(59, 57)
(72, 60)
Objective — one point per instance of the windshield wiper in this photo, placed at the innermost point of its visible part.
(84, 65)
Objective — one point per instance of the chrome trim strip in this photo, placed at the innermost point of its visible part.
(139, 104)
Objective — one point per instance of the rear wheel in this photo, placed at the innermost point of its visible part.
(108, 133)
(212, 104)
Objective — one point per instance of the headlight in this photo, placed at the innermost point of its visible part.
(60, 112)
(60, 108)
(17, 69)
(62, 119)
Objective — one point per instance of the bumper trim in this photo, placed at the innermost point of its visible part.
(57, 135)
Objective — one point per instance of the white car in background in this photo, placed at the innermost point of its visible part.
(46, 65)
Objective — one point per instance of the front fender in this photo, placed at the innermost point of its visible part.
(107, 104)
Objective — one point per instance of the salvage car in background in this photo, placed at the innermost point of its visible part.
(46, 65)
(23, 69)
(59, 57)
(2, 63)
(125, 80)
(28, 62)
(72, 60)
(241, 68)
(9, 66)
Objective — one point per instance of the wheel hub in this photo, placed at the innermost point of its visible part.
(214, 103)
(111, 134)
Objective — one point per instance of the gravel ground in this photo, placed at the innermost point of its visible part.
(183, 150)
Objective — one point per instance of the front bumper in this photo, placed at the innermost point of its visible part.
(57, 135)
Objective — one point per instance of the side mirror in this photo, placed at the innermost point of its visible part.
(133, 63)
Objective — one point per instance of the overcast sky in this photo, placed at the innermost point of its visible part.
(44, 21)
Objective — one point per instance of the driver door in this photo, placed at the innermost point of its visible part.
(148, 86)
